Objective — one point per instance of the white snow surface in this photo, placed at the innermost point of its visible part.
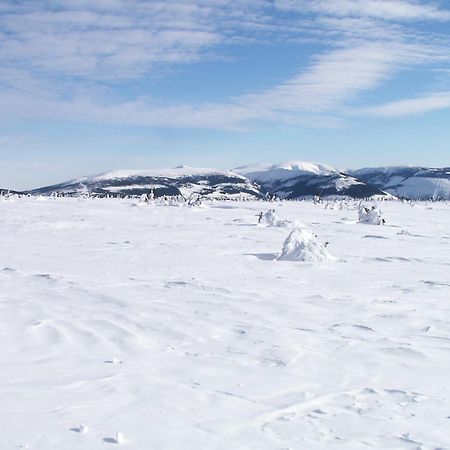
(421, 187)
(284, 171)
(179, 328)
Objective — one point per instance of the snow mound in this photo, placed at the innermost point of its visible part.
(370, 216)
(302, 245)
(83, 429)
(270, 219)
(120, 438)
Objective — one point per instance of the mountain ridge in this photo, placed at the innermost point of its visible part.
(289, 180)
(411, 182)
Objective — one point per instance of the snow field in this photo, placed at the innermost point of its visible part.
(179, 328)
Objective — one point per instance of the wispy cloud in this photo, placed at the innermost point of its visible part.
(65, 60)
(412, 106)
(381, 9)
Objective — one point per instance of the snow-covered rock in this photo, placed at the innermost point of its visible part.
(302, 245)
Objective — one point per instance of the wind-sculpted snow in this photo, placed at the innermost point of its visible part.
(150, 326)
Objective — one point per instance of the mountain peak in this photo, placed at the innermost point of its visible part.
(284, 171)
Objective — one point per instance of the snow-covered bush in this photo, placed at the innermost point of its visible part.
(270, 219)
(302, 245)
(371, 216)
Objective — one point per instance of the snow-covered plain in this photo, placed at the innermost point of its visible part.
(162, 327)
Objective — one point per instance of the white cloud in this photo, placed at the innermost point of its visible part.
(380, 9)
(317, 96)
(413, 106)
(62, 59)
(338, 76)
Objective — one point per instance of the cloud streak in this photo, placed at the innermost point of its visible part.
(400, 10)
(67, 60)
(413, 106)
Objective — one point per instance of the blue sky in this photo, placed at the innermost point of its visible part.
(93, 85)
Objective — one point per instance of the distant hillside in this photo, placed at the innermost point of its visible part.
(183, 181)
(291, 180)
(419, 183)
(299, 179)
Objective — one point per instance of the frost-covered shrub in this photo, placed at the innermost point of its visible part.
(371, 216)
(302, 245)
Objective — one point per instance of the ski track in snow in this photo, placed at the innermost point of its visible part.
(177, 328)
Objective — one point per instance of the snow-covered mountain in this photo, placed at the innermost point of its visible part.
(178, 181)
(291, 180)
(299, 179)
(409, 182)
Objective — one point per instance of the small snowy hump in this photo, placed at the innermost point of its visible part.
(120, 438)
(270, 219)
(370, 215)
(302, 245)
(284, 171)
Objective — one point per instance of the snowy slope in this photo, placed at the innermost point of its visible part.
(409, 182)
(284, 171)
(290, 180)
(304, 179)
(178, 181)
(180, 328)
